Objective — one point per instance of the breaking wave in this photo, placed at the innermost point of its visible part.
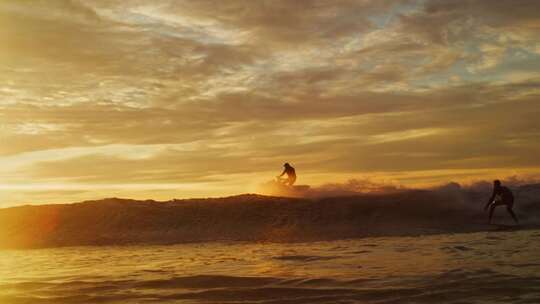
(251, 217)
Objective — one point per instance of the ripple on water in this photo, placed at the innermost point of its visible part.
(283, 273)
(305, 258)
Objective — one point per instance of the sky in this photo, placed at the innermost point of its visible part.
(176, 99)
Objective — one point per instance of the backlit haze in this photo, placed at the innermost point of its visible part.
(164, 99)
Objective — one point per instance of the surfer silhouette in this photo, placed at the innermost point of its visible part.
(291, 175)
(501, 196)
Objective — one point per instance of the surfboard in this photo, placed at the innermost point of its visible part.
(504, 227)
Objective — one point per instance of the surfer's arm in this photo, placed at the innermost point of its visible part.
(490, 199)
(282, 173)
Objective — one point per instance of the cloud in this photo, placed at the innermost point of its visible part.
(206, 90)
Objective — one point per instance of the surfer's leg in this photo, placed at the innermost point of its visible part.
(492, 208)
(509, 209)
(292, 180)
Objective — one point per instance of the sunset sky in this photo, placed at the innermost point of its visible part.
(164, 99)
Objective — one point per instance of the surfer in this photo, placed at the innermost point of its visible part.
(291, 175)
(501, 196)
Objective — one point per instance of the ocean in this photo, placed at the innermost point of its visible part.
(481, 267)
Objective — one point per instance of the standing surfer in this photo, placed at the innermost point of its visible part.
(501, 196)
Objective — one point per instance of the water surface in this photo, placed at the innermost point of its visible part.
(487, 267)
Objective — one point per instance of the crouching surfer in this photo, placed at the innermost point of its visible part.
(501, 196)
(291, 175)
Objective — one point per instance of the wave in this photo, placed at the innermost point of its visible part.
(253, 217)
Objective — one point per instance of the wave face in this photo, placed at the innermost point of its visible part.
(482, 267)
(257, 218)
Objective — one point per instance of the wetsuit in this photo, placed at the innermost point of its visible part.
(501, 196)
(291, 174)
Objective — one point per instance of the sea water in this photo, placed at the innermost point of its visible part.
(487, 267)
